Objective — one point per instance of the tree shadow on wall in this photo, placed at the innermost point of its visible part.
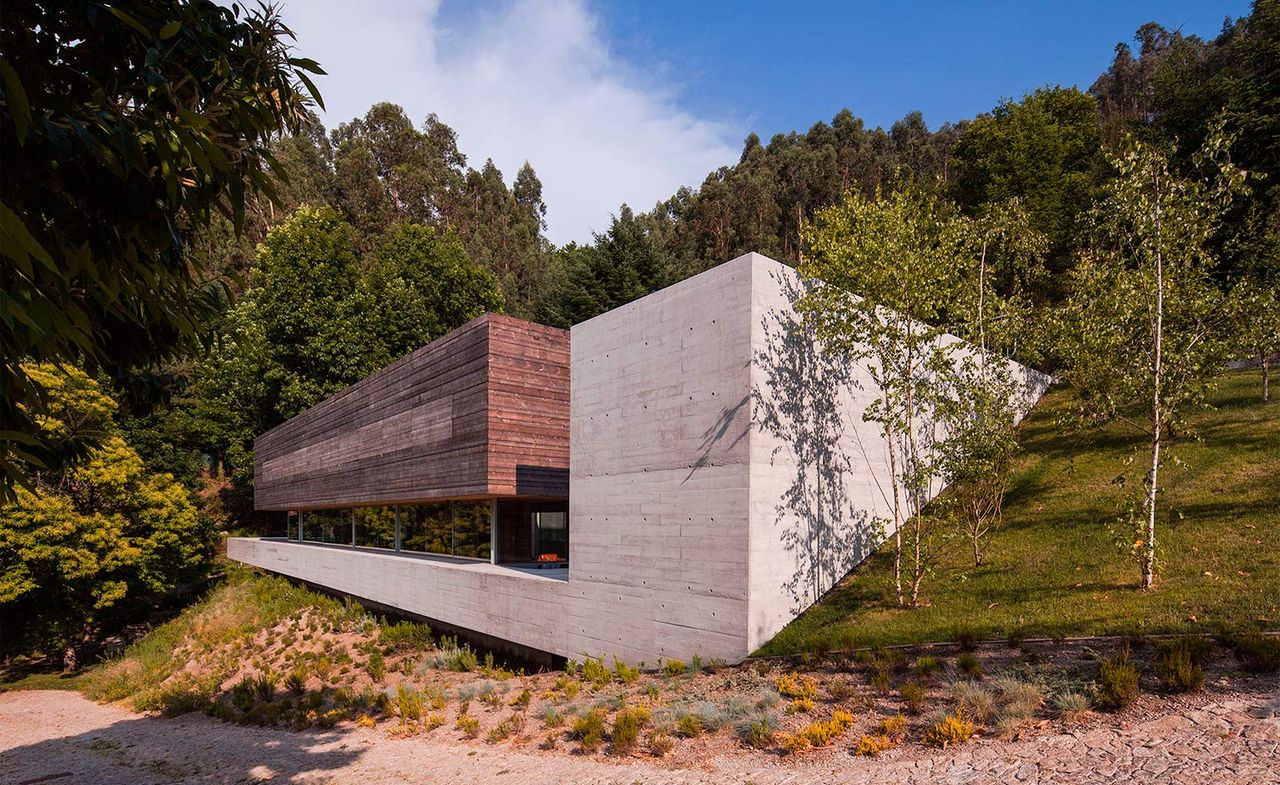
(799, 402)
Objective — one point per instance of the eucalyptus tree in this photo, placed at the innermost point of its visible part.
(880, 279)
(1147, 326)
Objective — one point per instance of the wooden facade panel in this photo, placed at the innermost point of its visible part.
(482, 411)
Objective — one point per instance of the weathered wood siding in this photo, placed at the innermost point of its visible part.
(466, 415)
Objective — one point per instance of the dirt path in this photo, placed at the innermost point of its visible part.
(63, 739)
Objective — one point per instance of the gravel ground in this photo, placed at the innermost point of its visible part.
(64, 739)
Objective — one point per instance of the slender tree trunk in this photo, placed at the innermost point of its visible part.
(1266, 376)
(897, 514)
(1157, 413)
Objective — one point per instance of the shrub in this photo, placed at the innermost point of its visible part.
(435, 697)
(675, 668)
(948, 729)
(178, 695)
(1256, 652)
(521, 701)
(1117, 685)
(405, 635)
(377, 665)
(881, 673)
(839, 690)
(758, 731)
(695, 664)
(1177, 667)
(625, 673)
(968, 665)
(1070, 705)
(801, 706)
(365, 721)
(499, 732)
(595, 672)
(913, 696)
(892, 727)
(688, 725)
(973, 700)
(588, 729)
(871, 746)
(409, 704)
(626, 730)
(792, 685)
(470, 726)
(660, 743)
(433, 721)
(551, 716)
(927, 665)
(819, 734)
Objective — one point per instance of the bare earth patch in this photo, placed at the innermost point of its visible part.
(1220, 737)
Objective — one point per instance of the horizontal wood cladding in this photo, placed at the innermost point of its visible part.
(481, 411)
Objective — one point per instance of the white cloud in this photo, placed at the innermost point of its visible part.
(526, 80)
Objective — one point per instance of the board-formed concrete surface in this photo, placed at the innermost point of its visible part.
(721, 480)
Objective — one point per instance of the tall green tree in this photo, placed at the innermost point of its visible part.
(1147, 326)
(123, 130)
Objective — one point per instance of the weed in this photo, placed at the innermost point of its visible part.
(968, 665)
(1257, 653)
(365, 721)
(626, 729)
(625, 673)
(1117, 684)
(973, 700)
(409, 704)
(872, 746)
(792, 685)
(588, 730)
(549, 742)
(675, 668)
(405, 635)
(521, 700)
(377, 665)
(688, 725)
(892, 727)
(470, 726)
(948, 729)
(965, 638)
(839, 690)
(758, 732)
(1177, 667)
(499, 732)
(819, 734)
(660, 743)
(595, 672)
(1070, 705)
(927, 665)
(551, 716)
(912, 695)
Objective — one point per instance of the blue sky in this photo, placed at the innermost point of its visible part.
(625, 102)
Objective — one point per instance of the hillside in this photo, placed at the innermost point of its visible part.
(1052, 569)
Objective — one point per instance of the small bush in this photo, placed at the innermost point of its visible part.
(913, 696)
(499, 732)
(892, 727)
(880, 673)
(405, 635)
(1070, 705)
(968, 665)
(626, 730)
(927, 665)
(521, 701)
(470, 726)
(551, 716)
(377, 665)
(588, 730)
(872, 746)
(1257, 653)
(660, 743)
(1117, 685)
(801, 706)
(838, 690)
(1177, 668)
(688, 725)
(948, 729)
(409, 704)
(296, 682)
(695, 664)
(433, 721)
(819, 734)
(675, 668)
(792, 685)
(595, 672)
(973, 700)
(625, 673)
(758, 732)
(365, 721)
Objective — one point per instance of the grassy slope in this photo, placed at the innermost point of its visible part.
(1053, 569)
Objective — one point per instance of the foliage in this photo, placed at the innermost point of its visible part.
(588, 729)
(758, 732)
(1257, 653)
(889, 250)
(1117, 684)
(913, 696)
(1070, 705)
(1146, 324)
(1053, 580)
(948, 730)
(98, 540)
(405, 635)
(794, 685)
(871, 746)
(123, 131)
(627, 724)
(819, 734)
(1178, 667)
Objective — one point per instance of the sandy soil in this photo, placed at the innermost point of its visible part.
(63, 738)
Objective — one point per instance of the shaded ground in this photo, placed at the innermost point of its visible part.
(61, 737)
(1053, 570)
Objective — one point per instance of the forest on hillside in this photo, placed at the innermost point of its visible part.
(362, 242)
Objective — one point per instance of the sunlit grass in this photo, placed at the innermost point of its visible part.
(1053, 570)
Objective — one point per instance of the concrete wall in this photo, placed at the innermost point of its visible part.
(721, 480)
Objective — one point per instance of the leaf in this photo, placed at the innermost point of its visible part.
(170, 30)
(311, 88)
(16, 97)
(14, 231)
(129, 20)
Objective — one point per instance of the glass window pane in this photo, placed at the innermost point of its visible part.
(327, 526)
(291, 530)
(552, 528)
(376, 527)
(471, 529)
(426, 528)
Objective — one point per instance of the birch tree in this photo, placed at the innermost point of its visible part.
(879, 282)
(1146, 326)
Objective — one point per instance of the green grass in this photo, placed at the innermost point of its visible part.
(1052, 569)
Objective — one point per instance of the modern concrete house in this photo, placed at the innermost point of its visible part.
(682, 475)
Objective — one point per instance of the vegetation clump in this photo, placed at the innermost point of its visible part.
(949, 730)
(1117, 684)
(1178, 665)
